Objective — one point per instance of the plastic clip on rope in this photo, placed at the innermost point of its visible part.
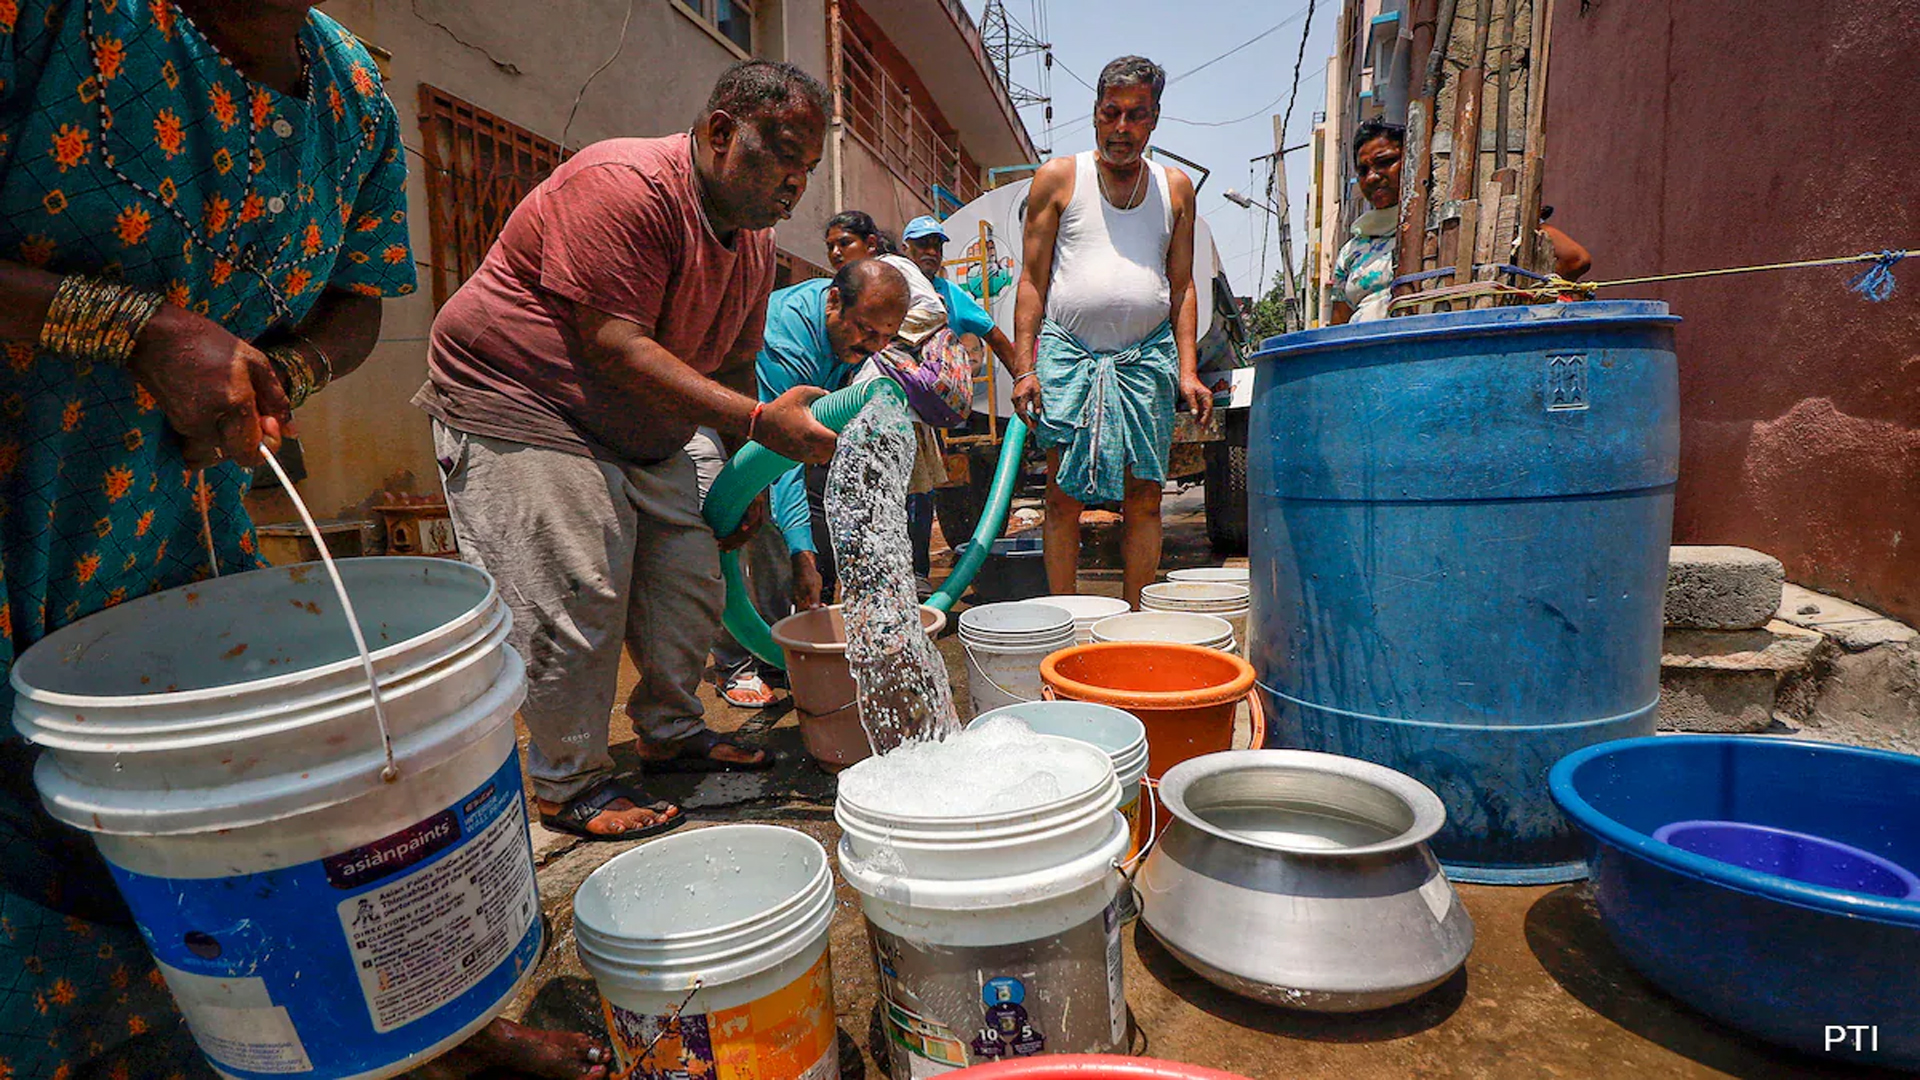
(755, 468)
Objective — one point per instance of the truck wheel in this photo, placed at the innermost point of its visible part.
(1226, 488)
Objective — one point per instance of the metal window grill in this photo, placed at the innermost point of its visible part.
(478, 168)
(882, 114)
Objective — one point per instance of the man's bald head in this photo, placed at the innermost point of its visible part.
(866, 303)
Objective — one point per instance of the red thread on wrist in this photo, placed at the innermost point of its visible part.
(753, 418)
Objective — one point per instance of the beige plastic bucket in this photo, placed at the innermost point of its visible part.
(823, 688)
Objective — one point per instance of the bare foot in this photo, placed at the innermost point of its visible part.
(619, 817)
(518, 1050)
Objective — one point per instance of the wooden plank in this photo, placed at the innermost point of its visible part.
(1534, 161)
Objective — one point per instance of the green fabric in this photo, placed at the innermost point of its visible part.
(1109, 413)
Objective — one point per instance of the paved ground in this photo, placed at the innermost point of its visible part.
(1543, 995)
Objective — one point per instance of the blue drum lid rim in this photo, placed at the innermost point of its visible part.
(1521, 319)
(1739, 879)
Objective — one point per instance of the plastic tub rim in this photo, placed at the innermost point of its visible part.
(280, 680)
(1739, 879)
(933, 629)
(717, 833)
(1893, 869)
(1534, 318)
(1219, 694)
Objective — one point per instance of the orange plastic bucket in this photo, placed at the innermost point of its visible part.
(1184, 694)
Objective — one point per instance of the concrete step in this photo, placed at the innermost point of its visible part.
(1729, 681)
(1717, 587)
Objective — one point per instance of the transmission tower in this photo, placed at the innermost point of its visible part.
(1006, 40)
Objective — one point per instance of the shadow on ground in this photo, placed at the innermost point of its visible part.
(1429, 1010)
(1564, 932)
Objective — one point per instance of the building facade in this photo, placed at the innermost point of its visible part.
(1694, 134)
(492, 94)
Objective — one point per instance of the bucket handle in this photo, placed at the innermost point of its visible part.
(389, 772)
(1045, 691)
(1256, 720)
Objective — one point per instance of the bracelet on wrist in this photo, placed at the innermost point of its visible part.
(1018, 379)
(295, 372)
(753, 419)
(97, 320)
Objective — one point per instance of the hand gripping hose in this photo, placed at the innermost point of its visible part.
(755, 468)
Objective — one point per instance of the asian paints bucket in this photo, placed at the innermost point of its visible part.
(219, 743)
(1116, 731)
(995, 935)
(1086, 610)
(1186, 695)
(1005, 644)
(724, 928)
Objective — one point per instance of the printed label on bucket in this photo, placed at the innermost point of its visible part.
(786, 1035)
(357, 960)
(1000, 1002)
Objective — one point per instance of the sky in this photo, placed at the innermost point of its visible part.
(1219, 116)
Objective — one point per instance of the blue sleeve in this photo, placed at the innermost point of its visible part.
(965, 315)
(782, 365)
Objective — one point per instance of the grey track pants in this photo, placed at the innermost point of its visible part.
(589, 556)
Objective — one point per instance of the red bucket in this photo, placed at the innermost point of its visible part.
(1092, 1067)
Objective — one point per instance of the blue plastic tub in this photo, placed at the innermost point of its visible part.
(1831, 971)
(1459, 554)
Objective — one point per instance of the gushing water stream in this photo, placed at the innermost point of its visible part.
(903, 689)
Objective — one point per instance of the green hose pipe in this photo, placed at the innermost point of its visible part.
(750, 472)
(993, 518)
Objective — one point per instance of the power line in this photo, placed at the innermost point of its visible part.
(1245, 44)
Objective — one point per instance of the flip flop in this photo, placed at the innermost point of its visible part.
(591, 803)
(696, 756)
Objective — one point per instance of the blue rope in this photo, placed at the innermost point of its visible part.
(1876, 282)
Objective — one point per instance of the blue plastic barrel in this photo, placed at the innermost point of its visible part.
(1459, 530)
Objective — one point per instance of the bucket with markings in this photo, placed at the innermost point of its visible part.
(709, 948)
(219, 742)
(995, 925)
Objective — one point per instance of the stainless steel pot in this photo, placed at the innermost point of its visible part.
(1304, 879)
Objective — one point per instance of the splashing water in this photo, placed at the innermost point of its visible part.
(903, 690)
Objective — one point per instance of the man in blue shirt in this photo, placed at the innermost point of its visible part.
(925, 240)
(817, 333)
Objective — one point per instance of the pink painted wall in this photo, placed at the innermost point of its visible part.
(1688, 134)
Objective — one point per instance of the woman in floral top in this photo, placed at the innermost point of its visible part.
(1363, 271)
(201, 204)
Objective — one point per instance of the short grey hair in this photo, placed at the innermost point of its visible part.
(1131, 71)
(753, 88)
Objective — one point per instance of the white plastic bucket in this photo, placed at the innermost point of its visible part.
(1116, 731)
(994, 935)
(219, 743)
(725, 928)
(1229, 601)
(1004, 644)
(1178, 627)
(1228, 575)
(1086, 610)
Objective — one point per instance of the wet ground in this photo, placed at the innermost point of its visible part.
(1544, 994)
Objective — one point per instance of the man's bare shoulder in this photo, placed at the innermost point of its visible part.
(1053, 179)
(1180, 186)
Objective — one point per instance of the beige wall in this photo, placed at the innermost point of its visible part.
(525, 62)
(873, 187)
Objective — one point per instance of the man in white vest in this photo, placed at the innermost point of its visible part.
(1104, 325)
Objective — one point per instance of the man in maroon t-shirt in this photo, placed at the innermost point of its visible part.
(565, 377)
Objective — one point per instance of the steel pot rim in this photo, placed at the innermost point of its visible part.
(1429, 813)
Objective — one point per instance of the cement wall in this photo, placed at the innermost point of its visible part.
(526, 63)
(1688, 134)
